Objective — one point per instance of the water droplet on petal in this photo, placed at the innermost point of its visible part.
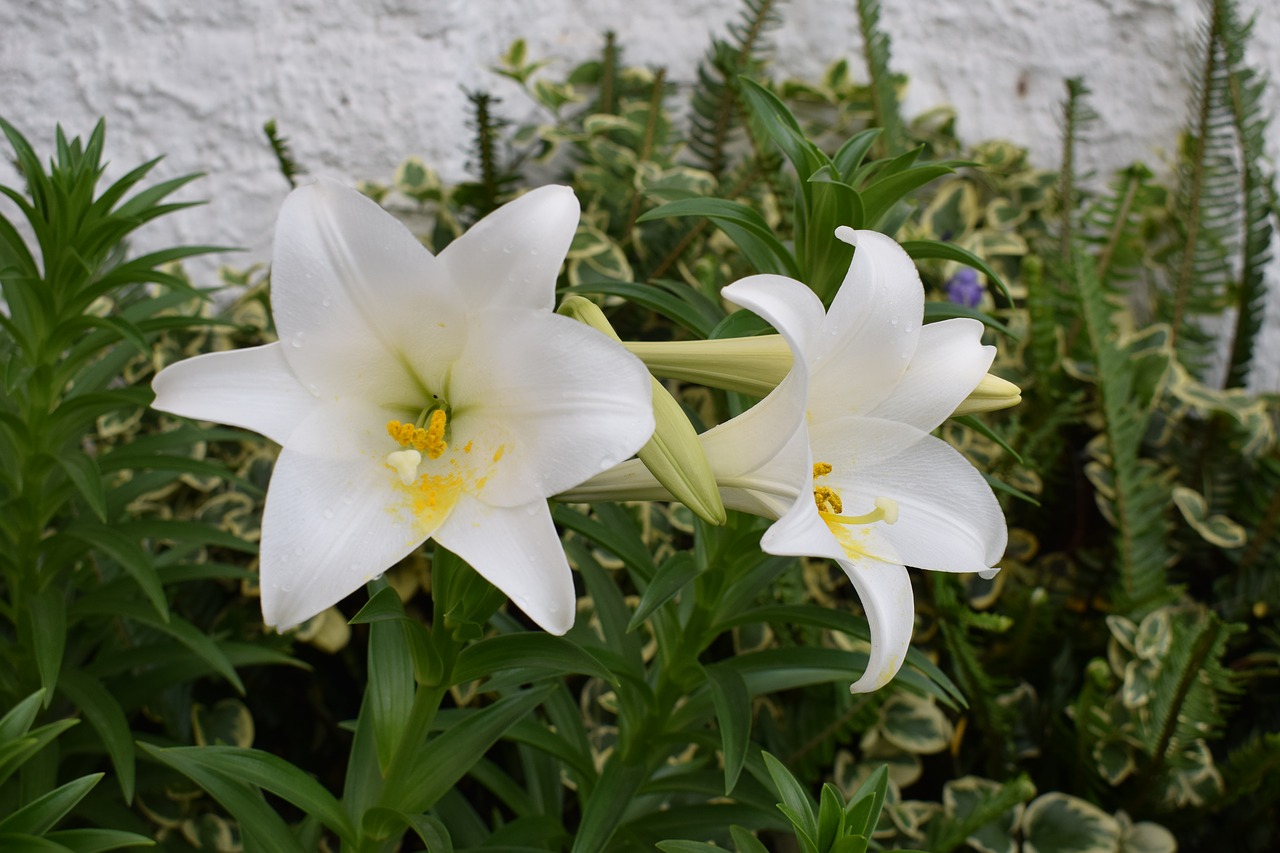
(297, 339)
(313, 388)
(506, 250)
(327, 301)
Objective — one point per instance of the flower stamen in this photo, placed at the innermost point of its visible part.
(830, 505)
(886, 510)
(430, 441)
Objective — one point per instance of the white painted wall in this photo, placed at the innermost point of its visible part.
(358, 85)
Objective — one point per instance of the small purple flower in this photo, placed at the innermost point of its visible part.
(964, 288)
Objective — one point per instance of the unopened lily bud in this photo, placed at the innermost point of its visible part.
(752, 366)
(992, 394)
(673, 454)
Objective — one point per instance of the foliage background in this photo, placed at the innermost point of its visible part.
(358, 85)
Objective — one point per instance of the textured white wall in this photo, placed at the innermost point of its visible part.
(358, 85)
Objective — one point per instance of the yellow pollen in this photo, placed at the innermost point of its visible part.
(821, 469)
(497, 454)
(886, 510)
(827, 499)
(433, 443)
(429, 441)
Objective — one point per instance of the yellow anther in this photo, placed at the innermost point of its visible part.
(821, 469)
(886, 510)
(431, 440)
(828, 500)
(402, 433)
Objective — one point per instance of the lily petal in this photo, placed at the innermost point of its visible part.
(759, 435)
(518, 550)
(885, 592)
(355, 297)
(557, 419)
(948, 518)
(871, 329)
(948, 364)
(510, 259)
(252, 388)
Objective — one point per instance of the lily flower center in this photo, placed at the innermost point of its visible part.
(831, 506)
(427, 436)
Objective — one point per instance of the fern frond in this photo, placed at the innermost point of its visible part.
(1257, 193)
(1188, 694)
(289, 167)
(716, 102)
(486, 193)
(1208, 202)
(883, 82)
(1137, 497)
(1253, 768)
(1077, 116)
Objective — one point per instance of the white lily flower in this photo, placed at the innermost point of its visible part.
(419, 396)
(840, 452)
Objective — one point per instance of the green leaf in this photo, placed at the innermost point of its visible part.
(84, 474)
(1061, 823)
(98, 840)
(534, 650)
(18, 719)
(383, 824)
(914, 725)
(129, 555)
(655, 299)
(180, 629)
(682, 846)
(46, 614)
(745, 841)
(446, 759)
(382, 605)
(733, 712)
(41, 814)
(671, 577)
(744, 225)
(261, 825)
(103, 712)
(830, 816)
(13, 842)
(606, 806)
(884, 193)
(783, 129)
(794, 797)
(935, 310)
(938, 250)
(851, 155)
(863, 812)
(271, 773)
(391, 687)
(14, 753)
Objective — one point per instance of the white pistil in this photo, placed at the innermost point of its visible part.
(405, 463)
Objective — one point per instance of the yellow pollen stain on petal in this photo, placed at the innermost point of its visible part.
(497, 454)
(467, 449)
